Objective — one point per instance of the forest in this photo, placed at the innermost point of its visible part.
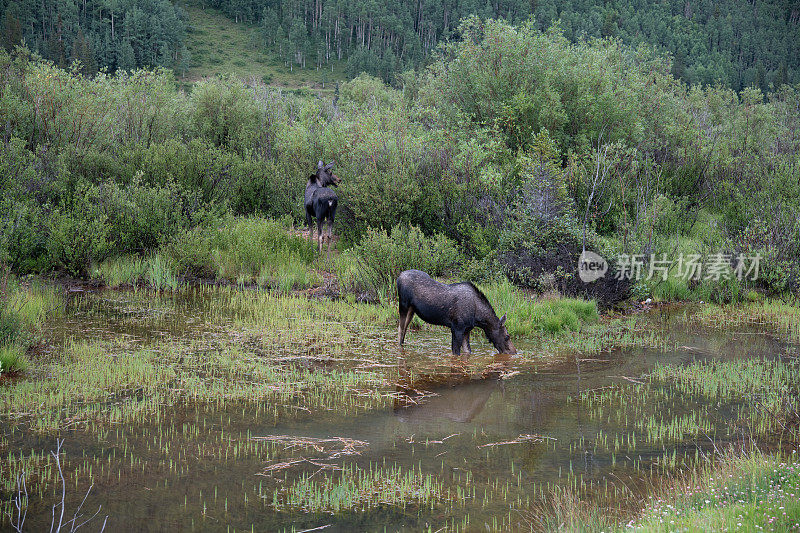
(739, 44)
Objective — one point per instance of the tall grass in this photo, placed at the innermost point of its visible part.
(776, 314)
(160, 275)
(22, 311)
(529, 314)
(246, 250)
(12, 359)
(374, 264)
(124, 270)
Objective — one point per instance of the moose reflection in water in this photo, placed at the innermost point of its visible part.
(321, 202)
(458, 306)
(450, 392)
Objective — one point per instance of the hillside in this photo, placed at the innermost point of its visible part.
(740, 44)
(218, 45)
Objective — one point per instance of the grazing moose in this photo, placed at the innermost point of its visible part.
(321, 201)
(460, 307)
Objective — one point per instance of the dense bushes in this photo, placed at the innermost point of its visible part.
(374, 264)
(515, 149)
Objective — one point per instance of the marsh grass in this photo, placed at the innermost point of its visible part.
(12, 359)
(373, 264)
(160, 274)
(778, 315)
(288, 274)
(357, 488)
(23, 309)
(246, 250)
(566, 510)
(768, 389)
(117, 382)
(528, 314)
(83, 383)
(124, 270)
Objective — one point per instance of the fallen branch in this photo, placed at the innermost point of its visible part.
(519, 440)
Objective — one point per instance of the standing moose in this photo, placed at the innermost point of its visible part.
(321, 202)
(459, 306)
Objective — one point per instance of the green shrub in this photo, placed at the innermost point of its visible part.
(374, 264)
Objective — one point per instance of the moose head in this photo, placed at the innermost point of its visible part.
(498, 335)
(325, 176)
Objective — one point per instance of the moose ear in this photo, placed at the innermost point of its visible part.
(319, 165)
(503, 319)
(330, 165)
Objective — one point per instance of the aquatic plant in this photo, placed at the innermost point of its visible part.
(159, 274)
(357, 488)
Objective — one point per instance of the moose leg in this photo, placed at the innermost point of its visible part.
(331, 216)
(310, 224)
(330, 235)
(405, 321)
(321, 236)
(458, 339)
(465, 343)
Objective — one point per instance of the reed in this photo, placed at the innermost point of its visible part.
(160, 275)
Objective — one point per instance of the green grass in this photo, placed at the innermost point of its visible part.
(123, 270)
(529, 314)
(160, 274)
(768, 389)
(359, 489)
(750, 492)
(219, 46)
(778, 315)
(23, 309)
(12, 359)
(246, 250)
(115, 382)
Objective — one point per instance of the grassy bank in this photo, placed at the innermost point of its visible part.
(740, 492)
(23, 309)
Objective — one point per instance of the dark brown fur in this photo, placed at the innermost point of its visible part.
(459, 306)
(321, 202)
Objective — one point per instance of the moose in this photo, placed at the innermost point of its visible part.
(321, 202)
(459, 306)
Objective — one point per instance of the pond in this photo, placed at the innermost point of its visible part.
(401, 440)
